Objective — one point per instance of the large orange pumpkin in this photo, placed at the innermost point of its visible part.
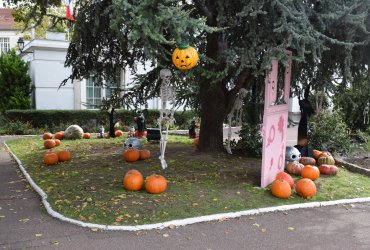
(144, 154)
(155, 184)
(118, 133)
(316, 153)
(305, 188)
(131, 155)
(64, 155)
(310, 172)
(133, 180)
(281, 189)
(57, 142)
(51, 158)
(285, 176)
(49, 143)
(294, 167)
(47, 135)
(86, 135)
(59, 135)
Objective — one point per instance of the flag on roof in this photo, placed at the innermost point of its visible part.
(69, 9)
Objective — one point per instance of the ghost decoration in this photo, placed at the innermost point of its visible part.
(292, 154)
(168, 99)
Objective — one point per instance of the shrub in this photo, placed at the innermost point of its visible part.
(328, 131)
(250, 142)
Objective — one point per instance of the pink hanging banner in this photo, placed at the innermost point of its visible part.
(275, 121)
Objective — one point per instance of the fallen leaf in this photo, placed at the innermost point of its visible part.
(291, 228)
(223, 219)
(94, 229)
(352, 205)
(55, 242)
(285, 213)
(165, 235)
(256, 225)
(171, 226)
(38, 235)
(263, 230)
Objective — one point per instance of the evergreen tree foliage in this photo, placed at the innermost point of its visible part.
(15, 83)
(236, 40)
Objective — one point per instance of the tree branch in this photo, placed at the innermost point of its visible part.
(201, 6)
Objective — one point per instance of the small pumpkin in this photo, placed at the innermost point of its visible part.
(294, 167)
(281, 189)
(133, 180)
(59, 135)
(118, 133)
(310, 172)
(326, 160)
(64, 155)
(49, 143)
(86, 135)
(307, 161)
(328, 169)
(144, 154)
(316, 153)
(305, 188)
(57, 142)
(185, 57)
(47, 136)
(156, 184)
(51, 158)
(131, 155)
(285, 176)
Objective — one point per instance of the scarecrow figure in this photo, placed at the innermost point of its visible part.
(236, 114)
(167, 113)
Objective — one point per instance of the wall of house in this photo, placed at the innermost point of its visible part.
(13, 37)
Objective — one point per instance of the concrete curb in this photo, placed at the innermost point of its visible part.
(352, 167)
(180, 222)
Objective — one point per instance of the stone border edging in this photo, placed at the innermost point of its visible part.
(352, 167)
(180, 222)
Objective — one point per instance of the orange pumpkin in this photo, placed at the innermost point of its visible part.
(305, 188)
(118, 133)
(316, 153)
(57, 142)
(51, 158)
(294, 167)
(86, 135)
(49, 143)
(133, 180)
(131, 155)
(144, 154)
(155, 184)
(59, 135)
(307, 161)
(310, 172)
(281, 189)
(285, 176)
(47, 136)
(64, 155)
(324, 154)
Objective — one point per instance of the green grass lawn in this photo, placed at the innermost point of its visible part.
(89, 187)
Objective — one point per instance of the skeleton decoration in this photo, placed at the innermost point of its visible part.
(292, 154)
(167, 111)
(236, 114)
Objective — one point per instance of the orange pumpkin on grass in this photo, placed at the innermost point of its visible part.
(49, 143)
(281, 189)
(131, 155)
(57, 142)
(118, 133)
(59, 135)
(144, 154)
(64, 155)
(86, 135)
(51, 158)
(47, 135)
(133, 180)
(305, 188)
(285, 176)
(155, 184)
(310, 172)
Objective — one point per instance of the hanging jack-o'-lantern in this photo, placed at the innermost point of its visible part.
(185, 57)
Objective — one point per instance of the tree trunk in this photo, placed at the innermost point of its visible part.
(111, 124)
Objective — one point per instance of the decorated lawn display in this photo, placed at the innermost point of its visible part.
(167, 113)
(281, 189)
(305, 188)
(185, 57)
(133, 180)
(155, 184)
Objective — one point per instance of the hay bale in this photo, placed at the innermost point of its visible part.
(73, 132)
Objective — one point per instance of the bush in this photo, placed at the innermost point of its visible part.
(328, 131)
(250, 142)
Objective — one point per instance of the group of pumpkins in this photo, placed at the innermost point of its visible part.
(306, 167)
(134, 181)
(132, 155)
(53, 157)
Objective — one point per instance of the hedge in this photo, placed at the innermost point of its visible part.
(89, 120)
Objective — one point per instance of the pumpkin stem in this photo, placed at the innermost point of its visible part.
(183, 45)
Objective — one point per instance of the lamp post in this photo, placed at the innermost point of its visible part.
(20, 44)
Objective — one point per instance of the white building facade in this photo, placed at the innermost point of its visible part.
(8, 33)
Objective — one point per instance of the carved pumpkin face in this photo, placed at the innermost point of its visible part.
(185, 57)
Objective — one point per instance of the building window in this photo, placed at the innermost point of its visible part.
(4, 44)
(93, 93)
(113, 84)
